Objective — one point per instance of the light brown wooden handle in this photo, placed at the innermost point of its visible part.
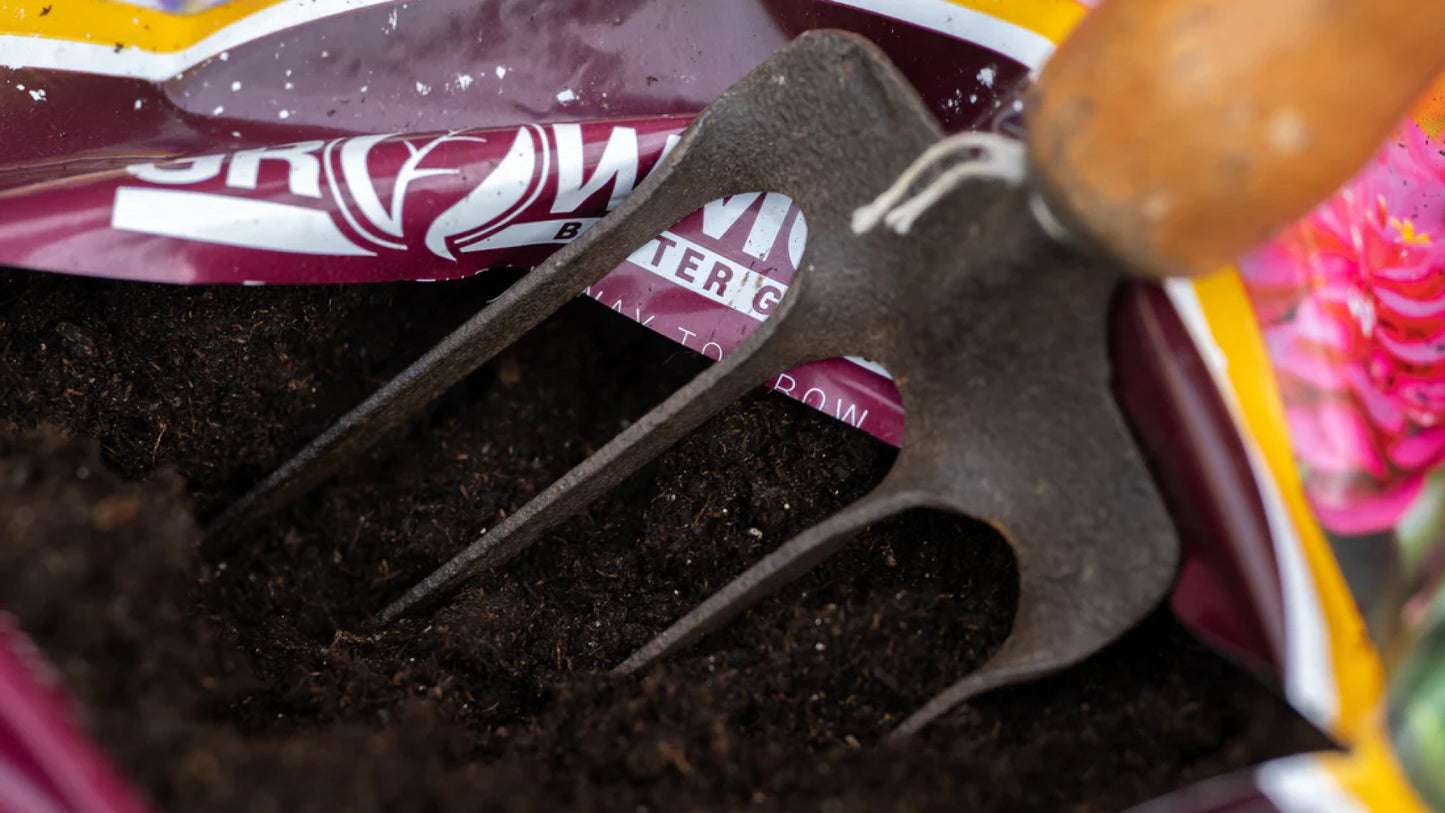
(1181, 133)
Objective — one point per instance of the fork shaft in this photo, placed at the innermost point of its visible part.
(765, 353)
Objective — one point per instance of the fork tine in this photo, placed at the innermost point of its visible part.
(773, 572)
(765, 352)
(656, 206)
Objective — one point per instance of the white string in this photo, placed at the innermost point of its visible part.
(868, 216)
(998, 164)
(1050, 222)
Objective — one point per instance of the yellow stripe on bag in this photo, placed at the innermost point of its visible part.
(104, 22)
(1053, 19)
(1371, 773)
(1358, 672)
(110, 23)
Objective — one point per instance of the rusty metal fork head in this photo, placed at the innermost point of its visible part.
(995, 334)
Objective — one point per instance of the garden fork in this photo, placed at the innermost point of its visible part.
(995, 335)
(991, 319)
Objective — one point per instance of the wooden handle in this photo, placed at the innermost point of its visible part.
(1181, 133)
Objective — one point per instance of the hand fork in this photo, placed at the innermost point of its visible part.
(995, 332)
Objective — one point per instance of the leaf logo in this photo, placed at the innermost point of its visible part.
(506, 192)
(511, 186)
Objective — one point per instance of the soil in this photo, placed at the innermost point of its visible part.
(236, 678)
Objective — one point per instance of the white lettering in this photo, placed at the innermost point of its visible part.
(230, 221)
(668, 146)
(720, 215)
(766, 297)
(503, 191)
(354, 152)
(304, 169)
(850, 415)
(709, 274)
(184, 171)
(618, 164)
(534, 233)
(797, 239)
(766, 226)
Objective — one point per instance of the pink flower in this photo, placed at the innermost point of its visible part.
(1351, 300)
